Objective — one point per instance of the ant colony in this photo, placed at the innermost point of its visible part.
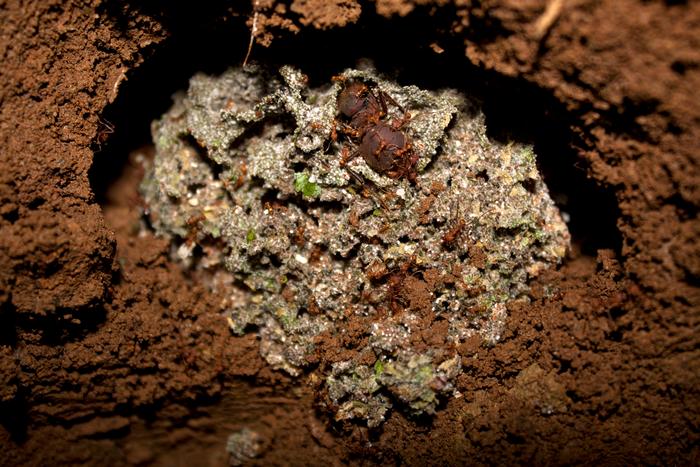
(362, 229)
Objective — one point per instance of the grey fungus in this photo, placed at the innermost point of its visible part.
(248, 186)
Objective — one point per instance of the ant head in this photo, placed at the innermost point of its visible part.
(352, 98)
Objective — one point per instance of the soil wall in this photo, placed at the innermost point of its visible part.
(111, 354)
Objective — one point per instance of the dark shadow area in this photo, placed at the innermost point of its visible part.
(56, 329)
(515, 109)
(196, 42)
(62, 326)
(8, 321)
(14, 417)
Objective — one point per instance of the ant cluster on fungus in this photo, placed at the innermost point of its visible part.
(359, 213)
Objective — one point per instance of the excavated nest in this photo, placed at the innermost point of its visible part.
(119, 345)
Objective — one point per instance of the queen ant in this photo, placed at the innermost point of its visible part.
(384, 147)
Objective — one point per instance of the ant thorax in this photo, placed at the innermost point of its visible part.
(359, 200)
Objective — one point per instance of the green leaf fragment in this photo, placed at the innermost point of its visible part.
(304, 186)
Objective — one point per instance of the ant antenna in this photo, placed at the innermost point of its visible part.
(253, 31)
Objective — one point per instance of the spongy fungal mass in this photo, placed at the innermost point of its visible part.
(249, 184)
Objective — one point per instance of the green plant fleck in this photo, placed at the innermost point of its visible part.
(378, 368)
(250, 236)
(303, 185)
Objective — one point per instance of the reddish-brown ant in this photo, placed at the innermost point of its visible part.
(451, 235)
(394, 279)
(105, 130)
(194, 227)
(456, 229)
(396, 284)
(385, 148)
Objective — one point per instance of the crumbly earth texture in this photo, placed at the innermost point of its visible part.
(113, 354)
(247, 177)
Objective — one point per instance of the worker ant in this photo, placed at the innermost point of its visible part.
(394, 280)
(384, 147)
(451, 236)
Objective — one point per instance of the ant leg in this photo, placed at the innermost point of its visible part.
(387, 97)
(333, 135)
(355, 176)
(399, 124)
(381, 97)
(406, 116)
(346, 156)
(334, 132)
(346, 129)
(327, 147)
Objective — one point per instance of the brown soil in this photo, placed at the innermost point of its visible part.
(110, 354)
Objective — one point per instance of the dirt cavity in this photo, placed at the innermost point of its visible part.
(112, 354)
